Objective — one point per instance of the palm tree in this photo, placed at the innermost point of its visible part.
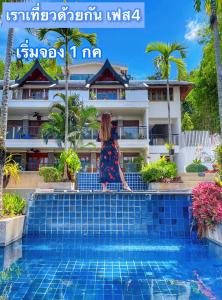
(79, 119)
(211, 7)
(4, 106)
(65, 37)
(163, 63)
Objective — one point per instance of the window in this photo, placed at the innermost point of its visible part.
(159, 94)
(37, 94)
(107, 94)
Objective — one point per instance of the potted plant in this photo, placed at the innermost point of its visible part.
(12, 220)
(11, 169)
(71, 159)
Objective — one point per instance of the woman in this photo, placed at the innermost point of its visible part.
(110, 171)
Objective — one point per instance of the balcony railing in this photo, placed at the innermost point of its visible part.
(33, 132)
(125, 133)
(162, 139)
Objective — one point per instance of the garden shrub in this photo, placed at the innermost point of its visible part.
(71, 159)
(50, 174)
(13, 204)
(207, 206)
(159, 170)
(196, 168)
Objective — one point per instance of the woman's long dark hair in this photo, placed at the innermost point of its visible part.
(105, 127)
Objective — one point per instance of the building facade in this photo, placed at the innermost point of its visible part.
(138, 107)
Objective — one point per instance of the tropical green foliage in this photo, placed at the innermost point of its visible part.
(207, 92)
(80, 118)
(159, 170)
(166, 57)
(50, 174)
(163, 62)
(196, 167)
(218, 153)
(71, 160)
(11, 168)
(187, 123)
(202, 102)
(49, 66)
(207, 5)
(65, 36)
(13, 204)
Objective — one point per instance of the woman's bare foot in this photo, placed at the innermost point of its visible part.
(127, 188)
(106, 191)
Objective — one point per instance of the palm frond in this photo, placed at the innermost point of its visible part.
(58, 106)
(181, 66)
(178, 47)
(156, 47)
(59, 43)
(60, 95)
(197, 5)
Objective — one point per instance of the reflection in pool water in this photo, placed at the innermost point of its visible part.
(113, 268)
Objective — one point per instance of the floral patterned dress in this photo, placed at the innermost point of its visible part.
(109, 160)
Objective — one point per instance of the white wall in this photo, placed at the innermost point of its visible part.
(140, 95)
(84, 94)
(186, 156)
(158, 109)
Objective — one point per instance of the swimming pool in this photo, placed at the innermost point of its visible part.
(114, 268)
(94, 246)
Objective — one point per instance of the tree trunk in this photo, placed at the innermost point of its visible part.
(4, 110)
(214, 24)
(169, 115)
(66, 98)
(65, 172)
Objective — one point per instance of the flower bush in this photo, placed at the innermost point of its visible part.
(159, 170)
(207, 206)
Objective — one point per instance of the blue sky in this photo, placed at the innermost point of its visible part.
(166, 21)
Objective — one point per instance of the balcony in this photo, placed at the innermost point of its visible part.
(30, 94)
(162, 139)
(158, 141)
(17, 132)
(125, 133)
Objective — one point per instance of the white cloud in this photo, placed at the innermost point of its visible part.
(192, 30)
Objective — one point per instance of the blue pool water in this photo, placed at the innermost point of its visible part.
(118, 246)
(114, 268)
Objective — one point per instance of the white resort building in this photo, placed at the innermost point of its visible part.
(138, 107)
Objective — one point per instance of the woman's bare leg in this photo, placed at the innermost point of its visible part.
(104, 185)
(125, 184)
